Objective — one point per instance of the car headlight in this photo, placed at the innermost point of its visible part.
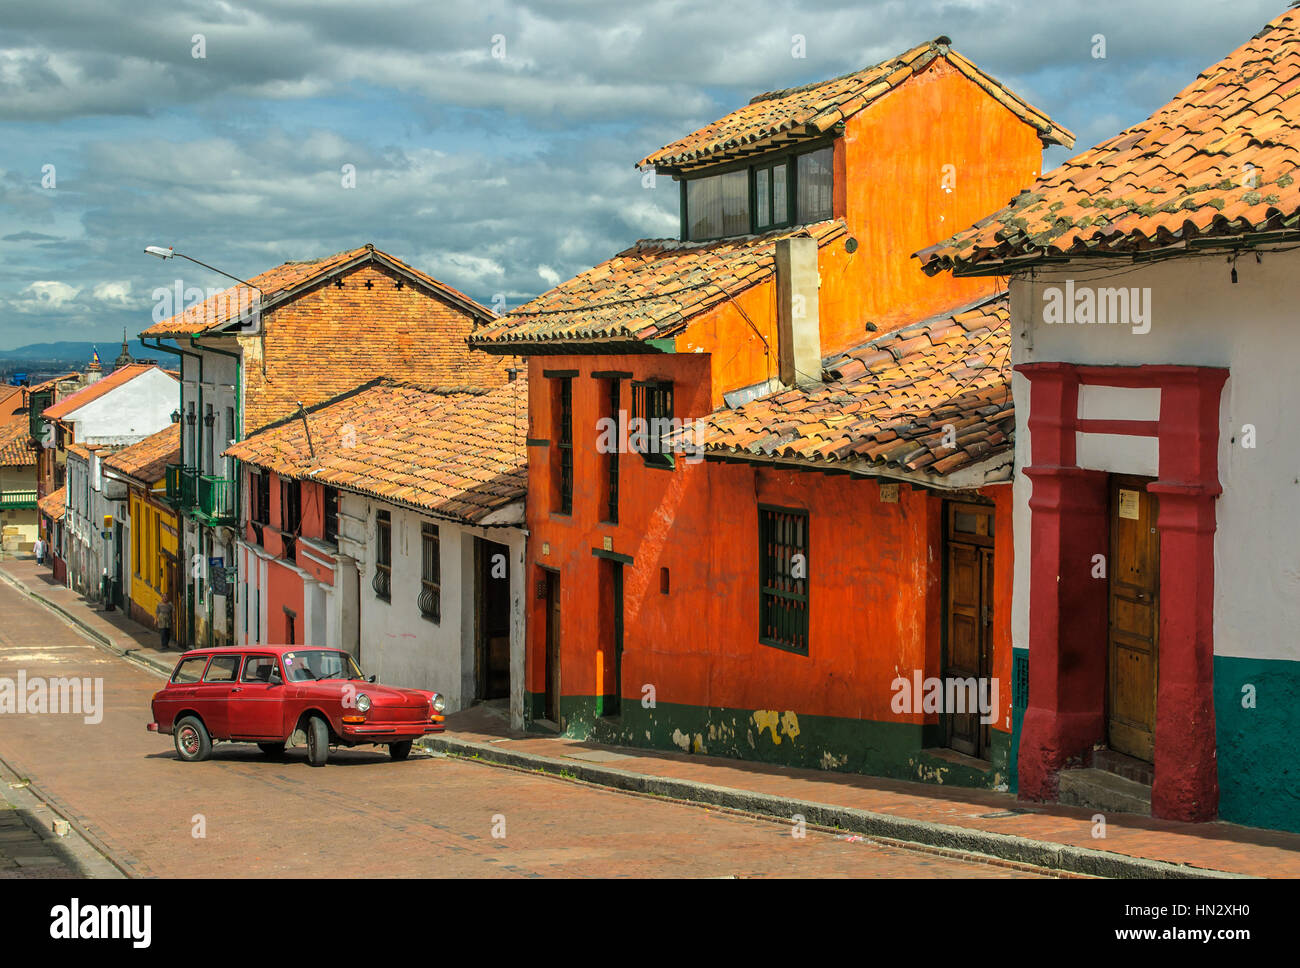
(439, 704)
(363, 702)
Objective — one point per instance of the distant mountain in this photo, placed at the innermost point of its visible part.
(79, 352)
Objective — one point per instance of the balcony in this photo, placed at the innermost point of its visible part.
(182, 487)
(216, 504)
(17, 500)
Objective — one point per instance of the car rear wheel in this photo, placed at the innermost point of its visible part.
(193, 744)
(400, 751)
(271, 749)
(318, 741)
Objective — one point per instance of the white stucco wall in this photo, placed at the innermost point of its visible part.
(1198, 317)
(127, 413)
(91, 496)
(398, 644)
(201, 447)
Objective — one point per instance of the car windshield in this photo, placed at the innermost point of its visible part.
(307, 665)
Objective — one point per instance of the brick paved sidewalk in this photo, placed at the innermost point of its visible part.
(113, 629)
(1213, 846)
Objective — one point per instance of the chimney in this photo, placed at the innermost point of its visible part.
(799, 344)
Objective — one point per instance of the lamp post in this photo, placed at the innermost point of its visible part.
(168, 252)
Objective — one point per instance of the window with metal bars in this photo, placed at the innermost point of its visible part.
(330, 497)
(261, 488)
(382, 583)
(652, 402)
(564, 444)
(431, 574)
(611, 503)
(290, 516)
(783, 578)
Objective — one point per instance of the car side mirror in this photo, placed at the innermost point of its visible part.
(275, 679)
(370, 678)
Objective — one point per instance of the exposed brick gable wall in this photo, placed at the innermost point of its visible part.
(329, 340)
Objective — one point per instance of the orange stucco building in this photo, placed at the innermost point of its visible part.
(831, 528)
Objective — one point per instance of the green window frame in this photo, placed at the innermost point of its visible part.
(783, 588)
(772, 196)
(776, 198)
(652, 400)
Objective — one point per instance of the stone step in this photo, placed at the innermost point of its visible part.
(1099, 790)
(1126, 766)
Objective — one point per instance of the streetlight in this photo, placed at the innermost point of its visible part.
(169, 253)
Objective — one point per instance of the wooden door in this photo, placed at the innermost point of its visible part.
(1134, 618)
(969, 621)
(553, 647)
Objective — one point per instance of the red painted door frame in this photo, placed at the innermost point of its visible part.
(1068, 607)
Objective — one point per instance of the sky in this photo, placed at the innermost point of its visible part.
(492, 145)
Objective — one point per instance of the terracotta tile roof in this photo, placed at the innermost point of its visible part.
(804, 113)
(53, 380)
(83, 450)
(284, 281)
(458, 452)
(887, 403)
(649, 291)
(147, 460)
(17, 449)
(1218, 160)
(97, 389)
(54, 504)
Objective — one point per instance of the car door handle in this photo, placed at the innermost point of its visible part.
(235, 690)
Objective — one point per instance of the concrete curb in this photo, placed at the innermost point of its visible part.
(98, 637)
(1022, 850)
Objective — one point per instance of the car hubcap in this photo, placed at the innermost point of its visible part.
(189, 741)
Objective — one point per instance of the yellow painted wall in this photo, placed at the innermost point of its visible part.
(153, 533)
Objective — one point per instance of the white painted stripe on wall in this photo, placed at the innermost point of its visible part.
(1118, 453)
(1118, 403)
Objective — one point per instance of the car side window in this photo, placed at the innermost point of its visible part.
(257, 668)
(222, 668)
(190, 669)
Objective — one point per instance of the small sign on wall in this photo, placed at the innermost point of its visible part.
(1128, 504)
(888, 493)
(546, 547)
(607, 543)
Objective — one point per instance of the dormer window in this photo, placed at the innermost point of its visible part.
(783, 189)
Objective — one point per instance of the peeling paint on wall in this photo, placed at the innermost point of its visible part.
(778, 724)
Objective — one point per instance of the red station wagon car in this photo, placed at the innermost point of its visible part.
(285, 695)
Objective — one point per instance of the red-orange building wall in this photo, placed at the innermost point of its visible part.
(876, 569)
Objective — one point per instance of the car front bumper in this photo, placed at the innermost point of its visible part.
(390, 732)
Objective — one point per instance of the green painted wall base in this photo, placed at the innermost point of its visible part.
(1259, 770)
(901, 751)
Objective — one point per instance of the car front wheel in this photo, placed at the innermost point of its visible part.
(318, 741)
(193, 744)
(400, 751)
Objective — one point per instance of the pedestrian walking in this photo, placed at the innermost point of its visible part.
(164, 619)
(39, 550)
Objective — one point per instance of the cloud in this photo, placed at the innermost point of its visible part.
(496, 174)
(118, 293)
(43, 296)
